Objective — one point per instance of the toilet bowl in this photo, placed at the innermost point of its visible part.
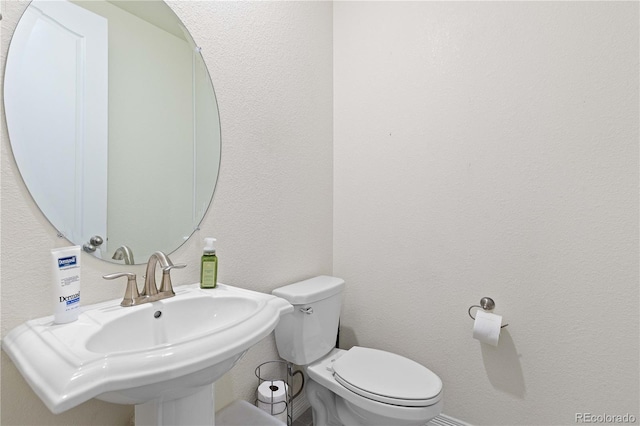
(385, 403)
(359, 386)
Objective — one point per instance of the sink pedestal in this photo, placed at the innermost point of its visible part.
(195, 409)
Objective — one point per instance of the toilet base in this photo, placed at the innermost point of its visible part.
(329, 409)
(323, 405)
(351, 414)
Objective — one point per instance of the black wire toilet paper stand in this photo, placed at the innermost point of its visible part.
(276, 372)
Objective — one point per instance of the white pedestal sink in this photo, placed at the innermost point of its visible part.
(162, 356)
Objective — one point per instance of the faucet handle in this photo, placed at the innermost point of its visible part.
(170, 267)
(166, 288)
(131, 294)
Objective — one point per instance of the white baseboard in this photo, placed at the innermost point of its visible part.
(444, 420)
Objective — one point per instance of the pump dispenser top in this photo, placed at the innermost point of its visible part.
(208, 245)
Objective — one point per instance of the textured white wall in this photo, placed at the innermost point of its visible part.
(491, 149)
(480, 149)
(271, 65)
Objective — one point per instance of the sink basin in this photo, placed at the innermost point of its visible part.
(162, 351)
(168, 321)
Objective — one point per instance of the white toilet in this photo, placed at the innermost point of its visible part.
(360, 386)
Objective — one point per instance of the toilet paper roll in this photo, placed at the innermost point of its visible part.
(486, 327)
(274, 409)
(272, 396)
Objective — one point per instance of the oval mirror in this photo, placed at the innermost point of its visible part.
(113, 123)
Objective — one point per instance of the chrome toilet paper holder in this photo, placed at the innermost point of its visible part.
(487, 304)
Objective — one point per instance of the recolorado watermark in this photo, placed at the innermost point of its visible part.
(605, 418)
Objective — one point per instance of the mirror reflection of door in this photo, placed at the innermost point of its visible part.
(59, 100)
(113, 121)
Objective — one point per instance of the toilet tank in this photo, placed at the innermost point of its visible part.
(309, 333)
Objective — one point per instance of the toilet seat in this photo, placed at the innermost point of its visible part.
(387, 377)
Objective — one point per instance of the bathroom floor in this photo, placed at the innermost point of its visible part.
(305, 419)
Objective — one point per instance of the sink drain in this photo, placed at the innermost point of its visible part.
(157, 314)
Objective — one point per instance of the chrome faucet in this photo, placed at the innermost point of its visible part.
(150, 292)
(124, 253)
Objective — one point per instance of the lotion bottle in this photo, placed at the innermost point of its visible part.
(209, 265)
(66, 284)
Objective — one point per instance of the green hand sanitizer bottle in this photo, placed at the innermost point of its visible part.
(209, 265)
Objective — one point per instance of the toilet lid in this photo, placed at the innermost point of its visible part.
(387, 377)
